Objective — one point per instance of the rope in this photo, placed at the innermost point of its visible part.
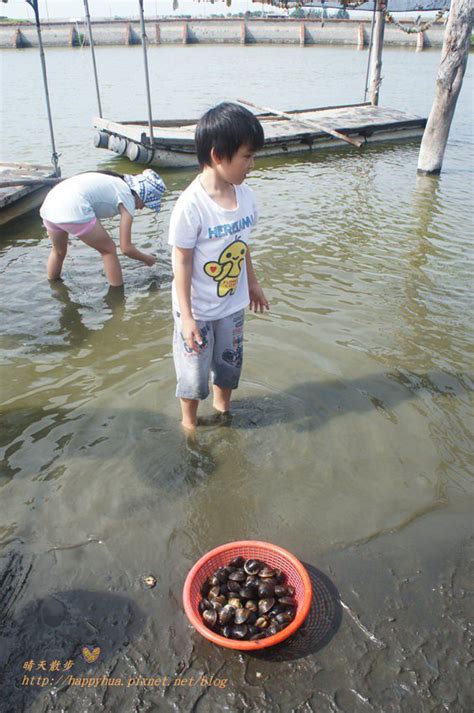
(419, 26)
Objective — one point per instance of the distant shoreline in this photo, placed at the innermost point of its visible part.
(230, 30)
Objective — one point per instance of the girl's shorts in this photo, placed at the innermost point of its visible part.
(76, 229)
(220, 356)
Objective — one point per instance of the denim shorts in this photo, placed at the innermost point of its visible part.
(220, 356)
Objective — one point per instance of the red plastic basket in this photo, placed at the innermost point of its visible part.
(274, 556)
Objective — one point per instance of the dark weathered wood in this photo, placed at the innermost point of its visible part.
(30, 182)
(306, 122)
(448, 85)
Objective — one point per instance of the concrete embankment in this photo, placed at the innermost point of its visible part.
(216, 31)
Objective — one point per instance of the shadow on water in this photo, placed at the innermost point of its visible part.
(321, 625)
(56, 628)
(310, 405)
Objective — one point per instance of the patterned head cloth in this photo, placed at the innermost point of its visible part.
(148, 186)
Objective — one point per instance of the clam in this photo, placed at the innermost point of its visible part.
(252, 566)
(239, 631)
(256, 637)
(237, 562)
(252, 605)
(204, 604)
(265, 605)
(226, 631)
(226, 614)
(262, 622)
(233, 586)
(284, 618)
(237, 575)
(222, 575)
(266, 589)
(214, 592)
(235, 602)
(210, 617)
(287, 601)
(280, 591)
(242, 615)
(247, 592)
(266, 572)
(213, 581)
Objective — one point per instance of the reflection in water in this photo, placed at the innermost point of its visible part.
(71, 322)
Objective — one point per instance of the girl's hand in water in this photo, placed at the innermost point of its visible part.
(149, 260)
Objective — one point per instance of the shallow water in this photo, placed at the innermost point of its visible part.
(352, 419)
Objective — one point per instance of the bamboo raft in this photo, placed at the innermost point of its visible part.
(300, 130)
(23, 187)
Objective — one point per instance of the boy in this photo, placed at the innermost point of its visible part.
(213, 275)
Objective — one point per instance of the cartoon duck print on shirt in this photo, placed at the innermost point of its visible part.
(227, 269)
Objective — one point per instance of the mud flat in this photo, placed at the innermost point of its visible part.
(389, 632)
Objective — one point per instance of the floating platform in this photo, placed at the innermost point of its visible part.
(173, 141)
(21, 198)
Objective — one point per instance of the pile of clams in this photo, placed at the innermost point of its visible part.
(247, 599)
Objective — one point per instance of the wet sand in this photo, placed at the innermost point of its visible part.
(389, 631)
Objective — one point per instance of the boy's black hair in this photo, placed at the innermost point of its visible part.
(226, 128)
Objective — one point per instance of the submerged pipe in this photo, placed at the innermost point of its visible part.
(147, 78)
(91, 43)
(54, 156)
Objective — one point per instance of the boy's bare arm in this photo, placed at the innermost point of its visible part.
(183, 270)
(126, 245)
(258, 301)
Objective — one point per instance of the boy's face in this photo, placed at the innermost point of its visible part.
(235, 170)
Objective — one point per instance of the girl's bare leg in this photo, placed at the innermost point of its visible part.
(100, 240)
(221, 398)
(189, 409)
(59, 242)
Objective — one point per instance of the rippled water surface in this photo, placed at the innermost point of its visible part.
(353, 415)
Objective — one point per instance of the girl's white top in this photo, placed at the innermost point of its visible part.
(80, 198)
(219, 238)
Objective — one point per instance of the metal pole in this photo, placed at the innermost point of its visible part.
(370, 52)
(54, 155)
(147, 78)
(376, 73)
(91, 43)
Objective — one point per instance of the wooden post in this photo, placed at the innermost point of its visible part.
(302, 35)
(360, 36)
(243, 33)
(376, 73)
(451, 70)
(420, 41)
(184, 37)
(157, 33)
(17, 39)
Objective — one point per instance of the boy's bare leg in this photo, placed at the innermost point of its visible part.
(221, 398)
(189, 409)
(58, 253)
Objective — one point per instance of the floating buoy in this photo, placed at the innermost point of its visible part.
(101, 139)
(136, 152)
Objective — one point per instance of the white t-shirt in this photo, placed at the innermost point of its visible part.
(80, 198)
(219, 238)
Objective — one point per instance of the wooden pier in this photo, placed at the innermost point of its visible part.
(23, 187)
(304, 130)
